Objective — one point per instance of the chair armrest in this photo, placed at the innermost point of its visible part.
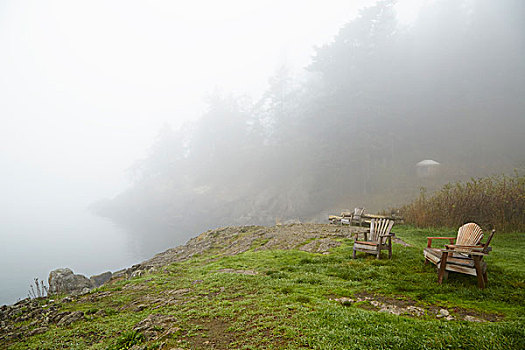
(478, 253)
(429, 240)
(444, 251)
(473, 247)
(382, 238)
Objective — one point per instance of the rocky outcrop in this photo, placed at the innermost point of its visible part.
(65, 281)
(18, 320)
(70, 317)
(315, 238)
(98, 280)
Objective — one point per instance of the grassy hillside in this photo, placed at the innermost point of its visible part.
(293, 299)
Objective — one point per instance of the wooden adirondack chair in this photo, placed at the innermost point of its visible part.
(380, 239)
(353, 218)
(357, 216)
(465, 256)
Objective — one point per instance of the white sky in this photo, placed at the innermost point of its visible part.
(86, 85)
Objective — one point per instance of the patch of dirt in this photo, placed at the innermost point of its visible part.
(476, 316)
(412, 308)
(214, 334)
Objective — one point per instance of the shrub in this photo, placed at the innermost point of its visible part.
(127, 340)
(492, 202)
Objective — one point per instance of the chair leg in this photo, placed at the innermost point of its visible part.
(353, 254)
(442, 267)
(378, 254)
(479, 272)
(485, 278)
(445, 275)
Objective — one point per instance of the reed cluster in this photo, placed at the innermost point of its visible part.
(492, 202)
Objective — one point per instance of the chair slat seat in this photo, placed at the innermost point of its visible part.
(367, 243)
(465, 256)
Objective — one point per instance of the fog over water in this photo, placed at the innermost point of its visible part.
(85, 88)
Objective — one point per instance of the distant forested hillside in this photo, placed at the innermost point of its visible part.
(377, 99)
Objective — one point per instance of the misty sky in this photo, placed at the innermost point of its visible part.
(85, 86)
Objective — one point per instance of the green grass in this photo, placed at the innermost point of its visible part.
(288, 304)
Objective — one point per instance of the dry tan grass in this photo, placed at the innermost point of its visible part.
(493, 202)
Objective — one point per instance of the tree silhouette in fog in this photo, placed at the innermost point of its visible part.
(377, 99)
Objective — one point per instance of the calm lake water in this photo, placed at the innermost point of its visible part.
(34, 243)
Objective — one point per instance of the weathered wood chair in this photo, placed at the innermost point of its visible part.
(380, 239)
(348, 218)
(353, 218)
(465, 256)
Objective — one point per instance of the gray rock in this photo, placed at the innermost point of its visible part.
(56, 317)
(443, 313)
(120, 274)
(65, 281)
(98, 280)
(345, 301)
(472, 319)
(415, 311)
(140, 307)
(36, 331)
(70, 318)
(137, 273)
(376, 303)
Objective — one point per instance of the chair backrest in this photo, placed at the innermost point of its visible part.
(358, 212)
(380, 227)
(469, 234)
(486, 246)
